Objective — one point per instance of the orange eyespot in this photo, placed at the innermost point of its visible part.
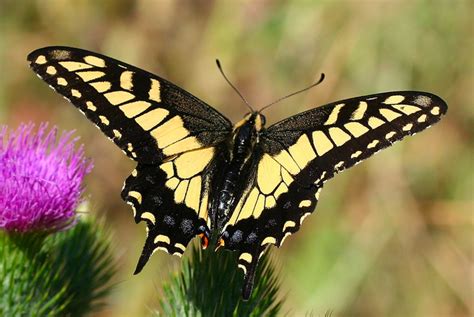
(204, 240)
(220, 243)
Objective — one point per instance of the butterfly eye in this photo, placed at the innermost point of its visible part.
(264, 120)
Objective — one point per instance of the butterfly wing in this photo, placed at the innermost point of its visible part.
(148, 117)
(170, 133)
(300, 153)
(172, 198)
(334, 137)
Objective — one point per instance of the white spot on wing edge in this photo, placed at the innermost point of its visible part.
(318, 192)
(41, 59)
(284, 238)
(117, 133)
(407, 127)
(160, 248)
(135, 195)
(162, 238)
(51, 70)
(76, 93)
(435, 111)
(289, 224)
(148, 216)
(247, 257)
(356, 154)
(305, 203)
(180, 246)
(304, 217)
(422, 118)
(268, 240)
(104, 120)
(373, 144)
(91, 106)
(241, 266)
(133, 208)
(390, 135)
(61, 81)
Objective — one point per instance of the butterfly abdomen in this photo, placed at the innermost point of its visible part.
(241, 147)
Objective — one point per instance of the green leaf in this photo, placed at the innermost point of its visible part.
(68, 274)
(84, 258)
(27, 286)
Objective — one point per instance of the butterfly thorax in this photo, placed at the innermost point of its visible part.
(241, 146)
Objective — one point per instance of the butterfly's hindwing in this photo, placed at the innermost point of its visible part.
(265, 220)
(272, 208)
(149, 118)
(172, 198)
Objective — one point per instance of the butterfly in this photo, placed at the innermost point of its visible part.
(244, 186)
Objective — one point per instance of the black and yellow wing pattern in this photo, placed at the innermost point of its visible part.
(299, 154)
(197, 174)
(170, 133)
(149, 118)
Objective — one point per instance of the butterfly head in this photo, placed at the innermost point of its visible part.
(254, 120)
(259, 120)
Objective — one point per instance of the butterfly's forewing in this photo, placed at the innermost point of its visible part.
(302, 152)
(148, 117)
(170, 133)
(334, 137)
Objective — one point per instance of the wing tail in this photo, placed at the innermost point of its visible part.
(249, 268)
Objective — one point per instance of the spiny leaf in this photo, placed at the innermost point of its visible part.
(209, 284)
(68, 275)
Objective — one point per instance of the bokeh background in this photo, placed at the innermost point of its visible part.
(391, 237)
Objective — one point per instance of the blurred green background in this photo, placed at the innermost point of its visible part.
(392, 236)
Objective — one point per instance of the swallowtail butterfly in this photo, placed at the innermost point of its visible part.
(246, 186)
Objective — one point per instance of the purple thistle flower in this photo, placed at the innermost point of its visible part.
(40, 179)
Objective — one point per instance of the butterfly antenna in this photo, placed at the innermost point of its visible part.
(294, 93)
(236, 90)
